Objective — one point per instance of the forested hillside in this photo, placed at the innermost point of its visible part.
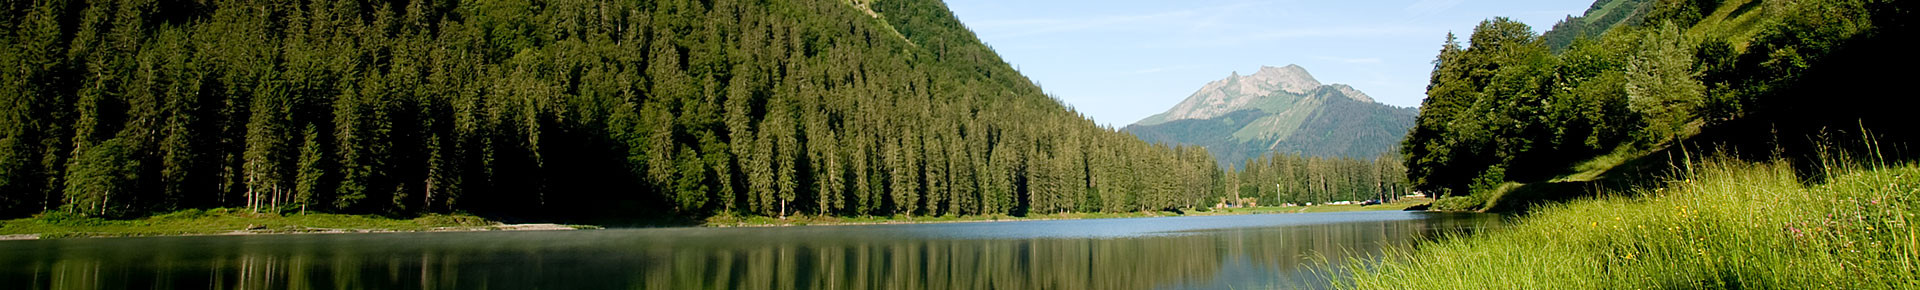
(1757, 79)
(546, 109)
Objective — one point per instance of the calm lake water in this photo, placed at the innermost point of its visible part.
(1215, 252)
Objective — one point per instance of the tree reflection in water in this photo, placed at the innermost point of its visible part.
(856, 257)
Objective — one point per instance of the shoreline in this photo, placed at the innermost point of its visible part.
(301, 231)
(737, 222)
(227, 222)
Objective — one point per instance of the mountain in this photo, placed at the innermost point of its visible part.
(1278, 110)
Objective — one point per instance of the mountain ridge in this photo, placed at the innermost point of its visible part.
(1237, 92)
(1278, 110)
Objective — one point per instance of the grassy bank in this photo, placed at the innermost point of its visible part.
(1731, 224)
(233, 221)
(802, 220)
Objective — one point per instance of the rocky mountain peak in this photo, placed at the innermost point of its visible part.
(1278, 109)
(1237, 92)
(1291, 78)
(1352, 93)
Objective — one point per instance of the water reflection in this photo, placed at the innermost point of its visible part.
(1188, 252)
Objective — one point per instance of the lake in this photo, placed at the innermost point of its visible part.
(1203, 252)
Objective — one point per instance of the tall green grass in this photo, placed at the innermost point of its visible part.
(1725, 224)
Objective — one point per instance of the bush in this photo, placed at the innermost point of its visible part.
(63, 218)
(440, 220)
(1459, 203)
(182, 214)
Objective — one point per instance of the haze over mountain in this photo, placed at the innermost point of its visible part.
(1278, 110)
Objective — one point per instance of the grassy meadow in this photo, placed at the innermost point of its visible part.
(1727, 224)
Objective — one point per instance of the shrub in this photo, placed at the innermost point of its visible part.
(64, 218)
(440, 220)
(1458, 203)
(183, 214)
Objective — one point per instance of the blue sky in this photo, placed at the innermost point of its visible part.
(1121, 60)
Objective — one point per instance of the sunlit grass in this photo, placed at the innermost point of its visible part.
(1732, 224)
(1591, 169)
(1738, 28)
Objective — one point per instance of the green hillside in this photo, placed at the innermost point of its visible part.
(548, 110)
(1603, 15)
(1708, 145)
(1757, 78)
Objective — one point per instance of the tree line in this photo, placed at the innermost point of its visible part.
(1281, 178)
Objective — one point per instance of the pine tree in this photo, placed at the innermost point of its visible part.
(101, 179)
(962, 166)
(1662, 83)
(936, 176)
(308, 183)
(786, 159)
(895, 172)
(861, 156)
(266, 147)
(690, 184)
(760, 171)
(349, 145)
(997, 182)
(824, 154)
(740, 134)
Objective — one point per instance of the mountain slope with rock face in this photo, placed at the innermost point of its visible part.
(1278, 110)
